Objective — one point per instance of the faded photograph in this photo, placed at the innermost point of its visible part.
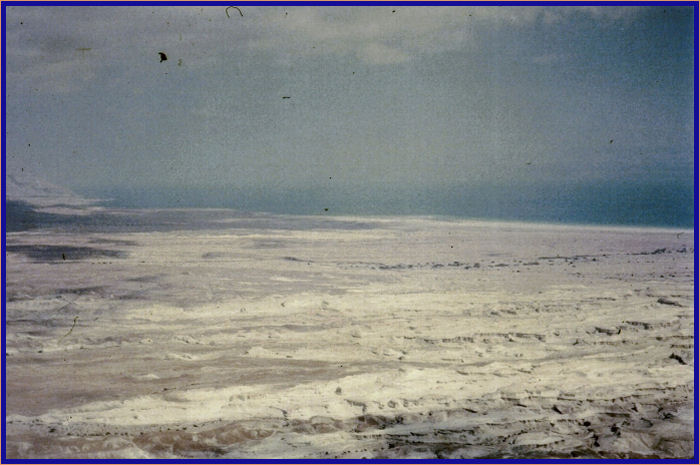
(349, 232)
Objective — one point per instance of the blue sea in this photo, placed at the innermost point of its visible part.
(668, 204)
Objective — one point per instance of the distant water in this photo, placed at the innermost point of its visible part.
(642, 204)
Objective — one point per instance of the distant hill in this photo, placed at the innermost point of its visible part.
(32, 190)
(32, 202)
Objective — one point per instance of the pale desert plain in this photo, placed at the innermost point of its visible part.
(219, 334)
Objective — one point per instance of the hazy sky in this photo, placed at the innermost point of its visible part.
(426, 96)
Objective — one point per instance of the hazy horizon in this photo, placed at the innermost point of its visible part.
(547, 113)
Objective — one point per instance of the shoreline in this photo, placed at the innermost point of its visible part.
(96, 208)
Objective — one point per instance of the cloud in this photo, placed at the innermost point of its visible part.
(60, 76)
(627, 12)
(375, 35)
(43, 42)
(377, 53)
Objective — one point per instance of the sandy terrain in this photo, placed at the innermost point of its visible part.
(350, 338)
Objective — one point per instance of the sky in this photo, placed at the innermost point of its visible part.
(364, 100)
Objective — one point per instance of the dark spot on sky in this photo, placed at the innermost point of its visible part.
(233, 7)
(162, 56)
(611, 141)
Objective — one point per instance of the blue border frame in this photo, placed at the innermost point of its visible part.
(694, 4)
(3, 123)
(352, 3)
(696, 454)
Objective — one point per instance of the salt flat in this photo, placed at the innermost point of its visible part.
(218, 335)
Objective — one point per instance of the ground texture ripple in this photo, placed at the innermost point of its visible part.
(402, 338)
